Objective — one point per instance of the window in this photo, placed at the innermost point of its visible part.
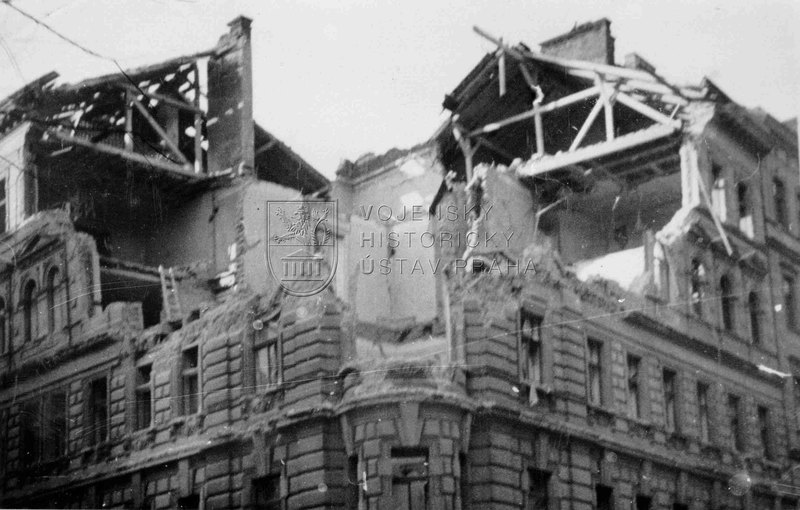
(190, 502)
(763, 432)
(54, 425)
(144, 397)
(745, 209)
(702, 412)
(604, 496)
(538, 490)
(353, 485)
(789, 301)
(754, 310)
(718, 192)
(779, 197)
(3, 207)
(734, 423)
(52, 279)
(267, 493)
(267, 358)
(530, 345)
(728, 301)
(43, 428)
(30, 420)
(661, 271)
(410, 478)
(4, 343)
(680, 506)
(97, 412)
(643, 503)
(668, 378)
(634, 403)
(190, 380)
(29, 311)
(595, 374)
(464, 482)
(697, 277)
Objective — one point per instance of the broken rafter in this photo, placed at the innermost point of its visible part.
(587, 124)
(549, 107)
(267, 146)
(628, 141)
(494, 147)
(164, 99)
(116, 151)
(647, 111)
(163, 134)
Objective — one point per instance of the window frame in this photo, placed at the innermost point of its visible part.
(633, 382)
(96, 435)
(187, 374)
(702, 389)
(733, 407)
(266, 338)
(545, 477)
(764, 422)
(142, 387)
(789, 298)
(50, 440)
(697, 277)
(754, 315)
(528, 343)
(51, 289)
(29, 305)
(670, 398)
(779, 202)
(599, 401)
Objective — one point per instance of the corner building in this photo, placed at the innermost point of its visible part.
(647, 361)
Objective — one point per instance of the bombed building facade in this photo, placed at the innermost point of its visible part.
(581, 292)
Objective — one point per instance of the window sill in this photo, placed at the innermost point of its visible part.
(600, 415)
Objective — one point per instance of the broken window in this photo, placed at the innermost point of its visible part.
(30, 419)
(634, 397)
(734, 423)
(789, 300)
(352, 487)
(3, 207)
(668, 379)
(43, 428)
(530, 348)
(754, 310)
(29, 310)
(728, 301)
(779, 199)
(643, 502)
(702, 412)
(718, 192)
(697, 280)
(52, 282)
(538, 490)
(190, 381)
(764, 432)
(745, 209)
(267, 358)
(410, 478)
(96, 431)
(4, 343)
(595, 372)
(604, 497)
(144, 397)
(661, 271)
(267, 493)
(190, 502)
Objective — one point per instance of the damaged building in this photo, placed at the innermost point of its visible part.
(581, 292)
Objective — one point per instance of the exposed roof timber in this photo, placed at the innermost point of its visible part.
(164, 99)
(173, 147)
(547, 107)
(132, 156)
(647, 111)
(535, 167)
(622, 72)
(482, 141)
(267, 146)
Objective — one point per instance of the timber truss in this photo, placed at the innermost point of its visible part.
(657, 104)
(154, 116)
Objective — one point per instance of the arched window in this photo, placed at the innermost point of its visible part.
(3, 335)
(661, 271)
(698, 273)
(754, 309)
(52, 282)
(29, 309)
(728, 302)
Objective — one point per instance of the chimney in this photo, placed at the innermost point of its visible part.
(591, 41)
(636, 61)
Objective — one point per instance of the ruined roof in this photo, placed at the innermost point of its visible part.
(277, 162)
(368, 163)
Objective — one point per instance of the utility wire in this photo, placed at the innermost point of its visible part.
(72, 42)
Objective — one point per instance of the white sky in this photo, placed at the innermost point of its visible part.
(336, 79)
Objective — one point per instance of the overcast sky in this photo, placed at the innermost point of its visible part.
(336, 79)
